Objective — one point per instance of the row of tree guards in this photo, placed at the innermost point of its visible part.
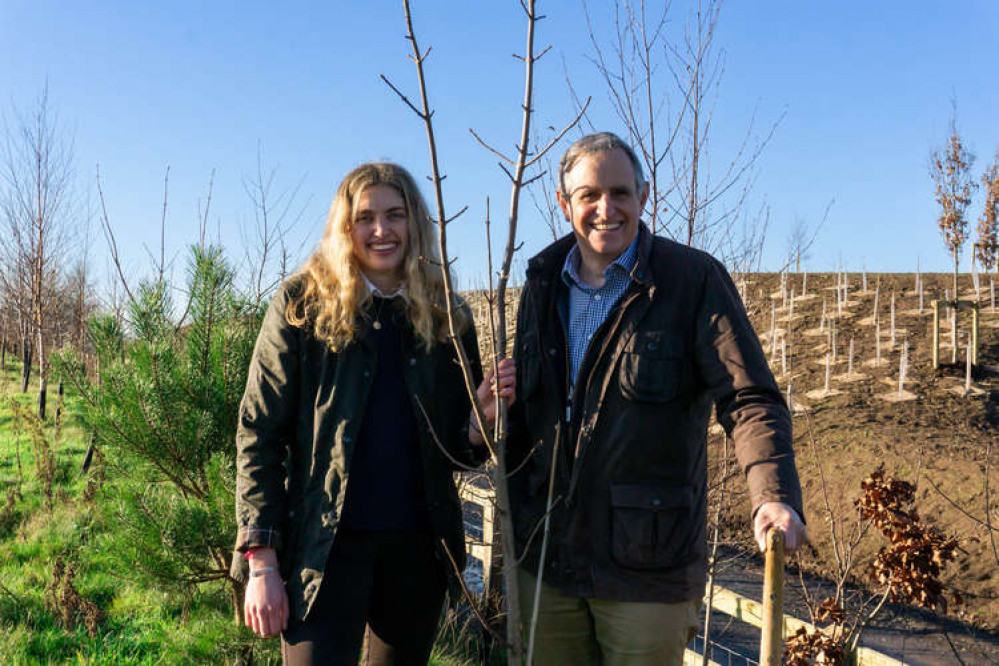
(787, 306)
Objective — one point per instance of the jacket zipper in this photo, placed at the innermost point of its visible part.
(626, 302)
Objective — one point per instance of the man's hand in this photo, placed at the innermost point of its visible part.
(265, 607)
(783, 517)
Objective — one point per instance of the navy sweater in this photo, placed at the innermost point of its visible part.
(386, 487)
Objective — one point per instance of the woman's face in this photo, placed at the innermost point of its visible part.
(379, 235)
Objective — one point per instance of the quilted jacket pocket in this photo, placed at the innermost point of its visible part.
(649, 371)
(651, 525)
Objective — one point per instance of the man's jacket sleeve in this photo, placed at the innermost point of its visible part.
(749, 404)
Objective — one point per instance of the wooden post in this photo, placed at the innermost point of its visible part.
(936, 334)
(955, 308)
(974, 334)
(772, 634)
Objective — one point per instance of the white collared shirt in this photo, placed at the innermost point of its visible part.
(375, 291)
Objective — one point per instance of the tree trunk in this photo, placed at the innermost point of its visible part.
(953, 314)
(236, 592)
(25, 367)
(42, 390)
(58, 414)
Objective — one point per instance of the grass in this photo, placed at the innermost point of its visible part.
(138, 625)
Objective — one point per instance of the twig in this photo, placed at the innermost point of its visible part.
(426, 115)
(544, 546)
(109, 236)
(558, 137)
(953, 648)
(534, 532)
(490, 148)
(437, 441)
(471, 599)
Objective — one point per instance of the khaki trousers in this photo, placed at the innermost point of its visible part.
(574, 631)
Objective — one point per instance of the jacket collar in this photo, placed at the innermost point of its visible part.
(548, 263)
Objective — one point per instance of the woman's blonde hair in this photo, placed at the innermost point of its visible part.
(331, 292)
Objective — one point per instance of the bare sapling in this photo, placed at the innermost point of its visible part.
(864, 279)
(515, 168)
(36, 209)
(822, 319)
(804, 283)
(544, 547)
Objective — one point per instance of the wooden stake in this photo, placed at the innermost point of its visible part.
(772, 636)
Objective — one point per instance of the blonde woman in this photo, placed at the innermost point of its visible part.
(344, 497)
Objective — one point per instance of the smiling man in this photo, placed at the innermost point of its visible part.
(624, 342)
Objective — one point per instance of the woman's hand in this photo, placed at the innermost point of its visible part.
(265, 607)
(507, 389)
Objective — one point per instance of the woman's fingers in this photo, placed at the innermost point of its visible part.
(266, 606)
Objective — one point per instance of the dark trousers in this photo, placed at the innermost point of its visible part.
(390, 582)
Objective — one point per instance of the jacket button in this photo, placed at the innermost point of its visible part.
(657, 501)
(367, 373)
(412, 361)
(346, 439)
(652, 346)
(551, 351)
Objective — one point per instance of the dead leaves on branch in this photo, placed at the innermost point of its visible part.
(907, 570)
(916, 553)
(813, 647)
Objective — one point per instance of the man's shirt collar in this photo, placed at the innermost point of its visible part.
(625, 262)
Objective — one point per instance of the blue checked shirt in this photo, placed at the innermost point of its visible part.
(589, 306)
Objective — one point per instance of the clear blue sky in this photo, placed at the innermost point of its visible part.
(866, 87)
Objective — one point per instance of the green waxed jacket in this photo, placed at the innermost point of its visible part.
(298, 421)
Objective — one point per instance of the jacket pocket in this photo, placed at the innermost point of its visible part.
(651, 525)
(650, 372)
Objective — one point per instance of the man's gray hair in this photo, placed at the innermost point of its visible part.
(601, 142)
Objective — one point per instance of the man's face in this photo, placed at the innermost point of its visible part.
(602, 205)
